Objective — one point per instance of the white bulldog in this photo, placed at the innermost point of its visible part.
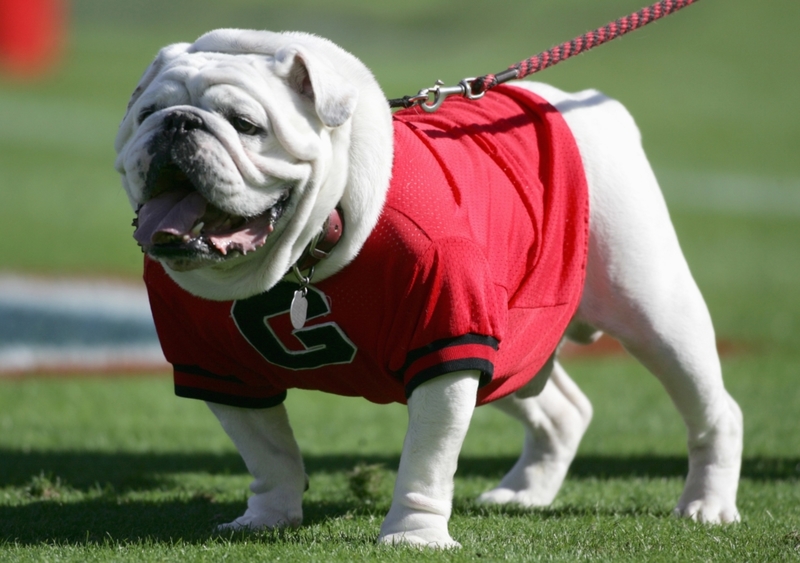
(237, 149)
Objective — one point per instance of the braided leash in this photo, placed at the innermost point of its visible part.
(475, 88)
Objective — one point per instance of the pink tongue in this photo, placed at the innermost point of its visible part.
(174, 212)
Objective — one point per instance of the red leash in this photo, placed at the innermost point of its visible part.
(430, 99)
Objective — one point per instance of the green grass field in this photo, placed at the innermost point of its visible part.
(118, 469)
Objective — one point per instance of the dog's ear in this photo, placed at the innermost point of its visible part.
(333, 97)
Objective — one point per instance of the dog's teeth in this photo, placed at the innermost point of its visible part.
(197, 229)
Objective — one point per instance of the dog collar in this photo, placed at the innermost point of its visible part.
(318, 249)
(323, 242)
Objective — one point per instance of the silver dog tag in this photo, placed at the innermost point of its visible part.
(299, 308)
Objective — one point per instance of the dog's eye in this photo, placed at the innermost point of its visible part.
(146, 112)
(244, 126)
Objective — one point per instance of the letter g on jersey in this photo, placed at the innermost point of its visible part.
(323, 344)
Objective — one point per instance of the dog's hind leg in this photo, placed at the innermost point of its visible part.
(639, 290)
(554, 423)
(667, 327)
(267, 445)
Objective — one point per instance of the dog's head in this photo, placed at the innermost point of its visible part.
(236, 148)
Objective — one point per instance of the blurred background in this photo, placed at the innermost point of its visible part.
(714, 89)
(120, 463)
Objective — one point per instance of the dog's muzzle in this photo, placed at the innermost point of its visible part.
(180, 225)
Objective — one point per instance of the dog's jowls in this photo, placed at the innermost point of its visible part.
(236, 149)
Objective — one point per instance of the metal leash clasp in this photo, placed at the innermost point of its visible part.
(431, 99)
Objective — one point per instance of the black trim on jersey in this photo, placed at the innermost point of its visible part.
(197, 370)
(484, 366)
(230, 400)
(470, 338)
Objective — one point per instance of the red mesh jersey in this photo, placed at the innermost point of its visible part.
(477, 262)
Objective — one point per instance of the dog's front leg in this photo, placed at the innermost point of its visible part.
(267, 445)
(439, 412)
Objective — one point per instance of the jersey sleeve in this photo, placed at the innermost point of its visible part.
(200, 341)
(451, 314)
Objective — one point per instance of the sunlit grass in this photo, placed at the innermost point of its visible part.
(119, 469)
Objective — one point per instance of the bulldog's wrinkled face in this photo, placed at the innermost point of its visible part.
(204, 168)
(236, 148)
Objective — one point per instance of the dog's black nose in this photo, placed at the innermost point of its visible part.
(182, 121)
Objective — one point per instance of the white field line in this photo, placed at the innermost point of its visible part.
(74, 325)
(87, 295)
(21, 359)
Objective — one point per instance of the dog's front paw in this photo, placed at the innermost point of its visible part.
(262, 514)
(421, 529)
